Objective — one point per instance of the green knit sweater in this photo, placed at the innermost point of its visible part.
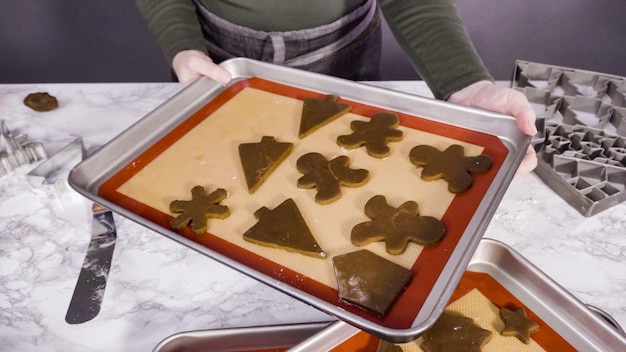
(431, 32)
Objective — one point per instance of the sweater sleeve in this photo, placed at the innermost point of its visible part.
(435, 39)
(173, 24)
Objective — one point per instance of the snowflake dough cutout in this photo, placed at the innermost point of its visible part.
(396, 226)
(374, 134)
(451, 165)
(328, 176)
(199, 209)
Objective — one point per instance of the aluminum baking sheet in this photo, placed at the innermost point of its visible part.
(246, 339)
(436, 270)
(578, 324)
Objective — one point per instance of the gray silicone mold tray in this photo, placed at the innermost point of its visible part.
(581, 143)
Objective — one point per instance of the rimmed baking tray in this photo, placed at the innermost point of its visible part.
(196, 110)
(566, 323)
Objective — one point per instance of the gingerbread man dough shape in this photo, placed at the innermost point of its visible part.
(374, 134)
(328, 176)
(396, 227)
(199, 209)
(451, 165)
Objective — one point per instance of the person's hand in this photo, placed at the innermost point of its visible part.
(489, 96)
(189, 65)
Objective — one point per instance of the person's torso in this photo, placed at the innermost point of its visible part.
(280, 15)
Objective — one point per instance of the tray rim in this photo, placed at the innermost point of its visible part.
(278, 331)
(86, 181)
(601, 337)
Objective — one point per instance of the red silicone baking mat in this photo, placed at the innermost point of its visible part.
(426, 268)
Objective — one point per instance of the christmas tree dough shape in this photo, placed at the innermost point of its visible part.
(260, 159)
(284, 228)
(318, 112)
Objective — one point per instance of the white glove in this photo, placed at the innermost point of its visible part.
(489, 96)
(189, 65)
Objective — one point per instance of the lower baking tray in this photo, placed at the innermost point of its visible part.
(247, 339)
(583, 327)
(193, 118)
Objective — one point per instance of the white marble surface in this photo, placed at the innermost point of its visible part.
(157, 287)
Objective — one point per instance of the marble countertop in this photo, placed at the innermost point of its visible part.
(154, 289)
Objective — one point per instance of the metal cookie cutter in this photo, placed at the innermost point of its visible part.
(16, 151)
(54, 171)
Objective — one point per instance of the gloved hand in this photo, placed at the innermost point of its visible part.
(189, 65)
(489, 96)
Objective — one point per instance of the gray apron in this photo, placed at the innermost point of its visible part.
(348, 47)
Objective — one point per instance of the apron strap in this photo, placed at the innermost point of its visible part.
(279, 48)
(280, 41)
(319, 54)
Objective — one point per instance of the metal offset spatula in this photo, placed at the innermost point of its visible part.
(89, 291)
